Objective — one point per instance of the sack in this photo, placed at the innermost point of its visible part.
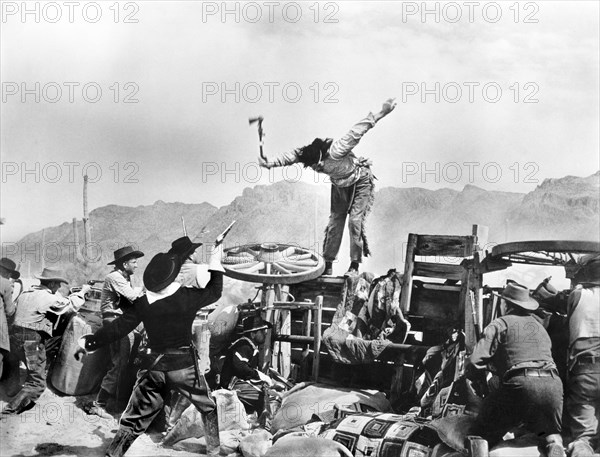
(221, 324)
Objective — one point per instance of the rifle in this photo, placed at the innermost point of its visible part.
(223, 234)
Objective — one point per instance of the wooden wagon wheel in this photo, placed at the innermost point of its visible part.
(272, 263)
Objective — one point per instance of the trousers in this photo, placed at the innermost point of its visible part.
(120, 351)
(354, 202)
(150, 390)
(27, 345)
(582, 402)
(537, 400)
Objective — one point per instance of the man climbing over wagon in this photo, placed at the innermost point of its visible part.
(352, 185)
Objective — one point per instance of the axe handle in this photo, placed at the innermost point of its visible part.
(260, 139)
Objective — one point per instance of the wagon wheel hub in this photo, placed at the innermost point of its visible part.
(272, 263)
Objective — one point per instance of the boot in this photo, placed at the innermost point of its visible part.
(211, 433)
(554, 446)
(476, 446)
(120, 443)
(18, 405)
(580, 448)
(328, 269)
(352, 270)
(98, 407)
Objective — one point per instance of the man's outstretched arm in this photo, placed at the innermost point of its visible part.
(341, 147)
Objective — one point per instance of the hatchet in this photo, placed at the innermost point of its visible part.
(259, 120)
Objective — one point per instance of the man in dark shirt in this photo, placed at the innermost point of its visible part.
(517, 348)
(240, 370)
(582, 402)
(167, 311)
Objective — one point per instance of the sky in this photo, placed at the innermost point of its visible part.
(152, 99)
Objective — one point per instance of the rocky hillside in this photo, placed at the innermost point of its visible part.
(297, 213)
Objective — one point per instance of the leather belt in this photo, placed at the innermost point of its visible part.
(184, 350)
(587, 360)
(533, 372)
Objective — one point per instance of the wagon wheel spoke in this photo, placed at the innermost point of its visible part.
(272, 263)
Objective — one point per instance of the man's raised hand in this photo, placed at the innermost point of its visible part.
(264, 163)
(388, 106)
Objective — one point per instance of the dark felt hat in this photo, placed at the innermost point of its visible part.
(161, 271)
(10, 267)
(125, 253)
(183, 247)
(254, 323)
(519, 295)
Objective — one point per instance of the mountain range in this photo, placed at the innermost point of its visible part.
(297, 213)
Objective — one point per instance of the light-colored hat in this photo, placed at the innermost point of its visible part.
(519, 295)
(53, 274)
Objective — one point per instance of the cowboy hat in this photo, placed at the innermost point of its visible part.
(10, 266)
(255, 323)
(52, 274)
(589, 271)
(125, 253)
(161, 271)
(518, 295)
(183, 247)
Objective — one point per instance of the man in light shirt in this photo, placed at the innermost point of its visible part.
(352, 185)
(117, 295)
(32, 328)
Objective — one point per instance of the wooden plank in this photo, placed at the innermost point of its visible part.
(270, 295)
(481, 233)
(303, 339)
(285, 347)
(438, 270)
(444, 245)
(317, 337)
(406, 290)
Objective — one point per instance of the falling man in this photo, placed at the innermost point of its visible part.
(352, 185)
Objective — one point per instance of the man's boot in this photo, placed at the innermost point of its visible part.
(554, 446)
(18, 405)
(120, 443)
(98, 407)
(353, 269)
(211, 433)
(581, 448)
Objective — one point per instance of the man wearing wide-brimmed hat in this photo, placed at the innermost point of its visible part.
(117, 295)
(582, 401)
(193, 273)
(240, 368)
(167, 312)
(32, 328)
(517, 348)
(8, 270)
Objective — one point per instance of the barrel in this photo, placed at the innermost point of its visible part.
(73, 377)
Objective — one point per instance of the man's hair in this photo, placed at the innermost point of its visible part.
(314, 152)
(4, 272)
